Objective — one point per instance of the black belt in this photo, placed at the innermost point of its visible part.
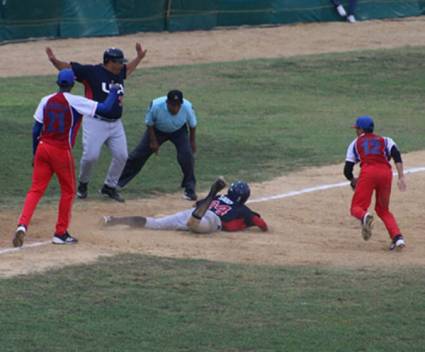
(106, 119)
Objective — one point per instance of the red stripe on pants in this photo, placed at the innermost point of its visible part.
(51, 160)
(376, 178)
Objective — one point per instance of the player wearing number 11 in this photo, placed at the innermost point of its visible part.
(374, 154)
(57, 120)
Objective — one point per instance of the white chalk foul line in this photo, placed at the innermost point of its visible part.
(321, 188)
(257, 200)
(35, 244)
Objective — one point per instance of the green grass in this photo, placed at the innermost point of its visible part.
(141, 303)
(258, 119)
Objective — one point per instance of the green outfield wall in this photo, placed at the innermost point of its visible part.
(26, 19)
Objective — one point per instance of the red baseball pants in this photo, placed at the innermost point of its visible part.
(51, 160)
(376, 178)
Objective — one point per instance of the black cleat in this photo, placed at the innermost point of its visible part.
(82, 190)
(66, 238)
(190, 194)
(112, 193)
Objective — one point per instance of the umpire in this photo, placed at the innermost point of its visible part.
(167, 119)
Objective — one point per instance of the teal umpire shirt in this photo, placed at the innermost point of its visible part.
(159, 117)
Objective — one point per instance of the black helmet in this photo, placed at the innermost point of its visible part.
(114, 54)
(239, 192)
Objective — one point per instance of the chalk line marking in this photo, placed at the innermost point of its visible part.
(35, 244)
(321, 188)
(257, 200)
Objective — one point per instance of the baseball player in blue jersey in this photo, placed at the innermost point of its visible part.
(168, 119)
(102, 128)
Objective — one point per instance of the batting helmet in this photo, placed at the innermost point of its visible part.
(239, 192)
(365, 123)
(66, 78)
(115, 55)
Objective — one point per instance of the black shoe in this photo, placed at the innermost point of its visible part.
(82, 190)
(190, 194)
(66, 238)
(112, 193)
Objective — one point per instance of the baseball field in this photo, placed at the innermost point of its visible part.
(275, 106)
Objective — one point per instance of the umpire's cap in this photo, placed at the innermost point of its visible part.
(115, 55)
(365, 123)
(66, 78)
(175, 96)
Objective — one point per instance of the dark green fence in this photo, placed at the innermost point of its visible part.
(26, 19)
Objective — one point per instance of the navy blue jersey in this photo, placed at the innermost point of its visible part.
(235, 216)
(96, 80)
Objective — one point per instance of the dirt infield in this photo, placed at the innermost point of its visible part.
(312, 228)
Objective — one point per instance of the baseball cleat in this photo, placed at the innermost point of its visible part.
(189, 194)
(20, 232)
(397, 243)
(112, 193)
(82, 190)
(66, 238)
(367, 224)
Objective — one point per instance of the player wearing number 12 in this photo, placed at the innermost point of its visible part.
(374, 154)
(57, 120)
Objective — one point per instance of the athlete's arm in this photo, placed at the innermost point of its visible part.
(106, 106)
(395, 154)
(153, 142)
(131, 66)
(60, 65)
(36, 131)
(348, 170)
(259, 222)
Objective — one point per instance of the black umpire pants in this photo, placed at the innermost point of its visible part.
(139, 155)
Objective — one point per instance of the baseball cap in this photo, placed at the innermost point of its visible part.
(66, 77)
(175, 96)
(365, 123)
(115, 55)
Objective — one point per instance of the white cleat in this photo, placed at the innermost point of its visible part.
(341, 11)
(351, 19)
(397, 243)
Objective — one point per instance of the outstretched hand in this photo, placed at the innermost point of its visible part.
(140, 51)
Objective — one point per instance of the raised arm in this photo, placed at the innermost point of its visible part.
(131, 66)
(55, 61)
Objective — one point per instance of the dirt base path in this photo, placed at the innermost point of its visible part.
(312, 228)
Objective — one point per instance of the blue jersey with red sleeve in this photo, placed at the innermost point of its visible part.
(96, 80)
(235, 216)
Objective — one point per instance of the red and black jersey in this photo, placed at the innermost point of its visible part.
(235, 216)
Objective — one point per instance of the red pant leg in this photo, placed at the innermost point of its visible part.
(383, 193)
(41, 176)
(363, 194)
(64, 167)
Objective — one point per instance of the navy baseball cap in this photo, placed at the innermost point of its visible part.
(66, 77)
(175, 96)
(365, 123)
(115, 55)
